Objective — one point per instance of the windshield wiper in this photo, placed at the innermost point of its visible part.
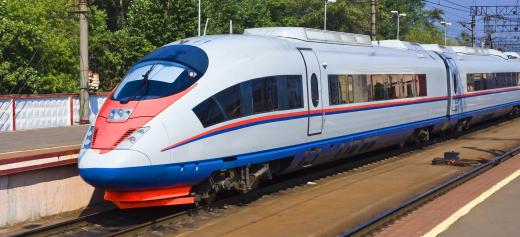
(147, 74)
(145, 79)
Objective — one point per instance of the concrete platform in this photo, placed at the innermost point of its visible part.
(37, 141)
(484, 206)
(39, 175)
(497, 216)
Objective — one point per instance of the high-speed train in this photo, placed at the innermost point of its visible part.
(213, 113)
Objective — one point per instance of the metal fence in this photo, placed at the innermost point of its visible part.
(22, 112)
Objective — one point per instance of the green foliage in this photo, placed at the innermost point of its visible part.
(37, 52)
(161, 22)
(115, 52)
(39, 42)
(244, 14)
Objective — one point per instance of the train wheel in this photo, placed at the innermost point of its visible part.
(424, 135)
(209, 197)
(421, 135)
(515, 111)
(460, 126)
(466, 124)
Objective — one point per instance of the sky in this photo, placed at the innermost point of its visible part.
(456, 11)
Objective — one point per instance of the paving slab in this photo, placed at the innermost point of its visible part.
(36, 141)
(497, 216)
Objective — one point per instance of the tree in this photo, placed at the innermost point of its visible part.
(244, 14)
(37, 52)
(116, 11)
(39, 42)
(417, 26)
(463, 39)
(162, 22)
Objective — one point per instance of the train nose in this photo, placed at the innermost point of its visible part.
(117, 169)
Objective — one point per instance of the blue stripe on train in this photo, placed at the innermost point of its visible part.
(191, 173)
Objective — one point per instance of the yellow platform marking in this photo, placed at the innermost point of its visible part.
(467, 208)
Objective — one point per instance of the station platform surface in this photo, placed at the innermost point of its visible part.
(497, 216)
(36, 141)
(484, 206)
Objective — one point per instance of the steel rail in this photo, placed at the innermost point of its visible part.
(61, 226)
(390, 215)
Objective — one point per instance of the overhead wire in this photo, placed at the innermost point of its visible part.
(450, 7)
(456, 4)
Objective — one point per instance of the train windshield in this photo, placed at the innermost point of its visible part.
(165, 71)
(154, 79)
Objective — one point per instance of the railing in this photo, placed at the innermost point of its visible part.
(21, 112)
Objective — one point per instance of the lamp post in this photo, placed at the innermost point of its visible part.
(325, 19)
(399, 15)
(446, 25)
(199, 16)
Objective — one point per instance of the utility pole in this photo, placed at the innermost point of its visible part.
(84, 110)
(199, 18)
(325, 18)
(373, 18)
(473, 36)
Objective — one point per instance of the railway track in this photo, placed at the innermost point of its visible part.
(389, 216)
(142, 221)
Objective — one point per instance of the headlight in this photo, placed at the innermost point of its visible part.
(132, 139)
(87, 143)
(119, 114)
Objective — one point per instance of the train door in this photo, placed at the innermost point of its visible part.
(455, 98)
(314, 95)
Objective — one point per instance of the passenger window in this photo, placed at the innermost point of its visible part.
(253, 96)
(230, 101)
(421, 79)
(294, 92)
(265, 95)
(315, 90)
(491, 82)
(209, 113)
(349, 87)
(395, 87)
(333, 90)
(408, 86)
(484, 83)
(246, 91)
(512, 79)
(469, 80)
(338, 88)
(477, 78)
(378, 85)
(360, 88)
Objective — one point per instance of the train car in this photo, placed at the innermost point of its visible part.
(489, 82)
(214, 113)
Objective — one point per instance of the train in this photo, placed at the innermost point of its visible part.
(216, 113)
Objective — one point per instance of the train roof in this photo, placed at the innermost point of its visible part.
(460, 50)
(311, 35)
(398, 44)
(512, 55)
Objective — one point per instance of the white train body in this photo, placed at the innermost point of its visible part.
(305, 97)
